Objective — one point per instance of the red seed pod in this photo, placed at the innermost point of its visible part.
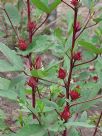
(22, 44)
(65, 115)
(61, 73)
(38, 62)
(74, 94)
(77, 56)
(32, 82)
(31, 26)
(95, 78)
(74, 2)
(77, 27)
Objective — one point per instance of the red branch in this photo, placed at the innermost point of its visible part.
(71, 60)
(29, 19)
(67, 4)
(97, 124)
(98, 97)
(40, 25)
(86, 61)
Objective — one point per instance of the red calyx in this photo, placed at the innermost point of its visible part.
(38, 62)
(77, 27)
(31, 26)
(74, 2)
(74, 95)
(95, 78)
(22, 44)
(32, 82)
(61, 73)
(77, 56)
(65, 114)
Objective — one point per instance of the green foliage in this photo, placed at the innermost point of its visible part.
(12, 63)
(13, 13)
(44, 7)
(49, 89)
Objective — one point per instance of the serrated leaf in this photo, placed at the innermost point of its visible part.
(90, 47)
(39, 73)
(31, 130)
(74, 132)
(44, 7)
(13, 62)
(40, 5)
(83, 117)
(79, 124)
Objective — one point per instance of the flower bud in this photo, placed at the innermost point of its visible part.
(38, 62)
(74, 94)
(61, 73)
(95, 78)
(32, 82)
(77, 56)
(31, 26)
(65, 115)
(77, 27)
(74, 2)
(22, 44)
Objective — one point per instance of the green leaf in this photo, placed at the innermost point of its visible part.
(97, 20)
(13, 13)
(79, 124)
(13, 62)
(40, 44)
(2, 125)
(90, 47)
(40, 5)
(31, 130)
(2, 114)
(5, 91)
(74, 132)
(44, 7)
(39, 73)
(54, 5)
(4, 83)
(83, 117)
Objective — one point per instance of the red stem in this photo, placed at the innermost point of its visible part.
(87, 61)
(67, 4)
(29, 19)
(29, 56)
(97, 124)
(64, 133)
(71, 60)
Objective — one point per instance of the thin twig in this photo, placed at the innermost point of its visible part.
(98, 97)
(86, 61)
(34, 115)
(51, 82)
(67, 4)
(91, 25)
(11, 22)
(40, 25)
(85, 26)
(45, 80)
(97, 124)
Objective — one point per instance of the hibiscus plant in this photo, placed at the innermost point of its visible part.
(54, 95)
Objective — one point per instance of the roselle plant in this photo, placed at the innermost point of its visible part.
(63, 90)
